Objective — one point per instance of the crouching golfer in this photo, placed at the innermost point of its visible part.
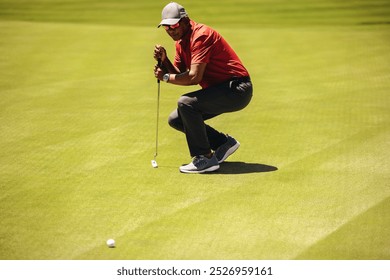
(202, 57)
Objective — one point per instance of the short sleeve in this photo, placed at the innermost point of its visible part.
(201, 49)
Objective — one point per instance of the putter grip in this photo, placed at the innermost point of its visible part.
(159, 65)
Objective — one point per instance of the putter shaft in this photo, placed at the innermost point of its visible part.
(158, 110)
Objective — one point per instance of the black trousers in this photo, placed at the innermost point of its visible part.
(196, 107)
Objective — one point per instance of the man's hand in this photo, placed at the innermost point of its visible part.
(158, 72)
(160, 53)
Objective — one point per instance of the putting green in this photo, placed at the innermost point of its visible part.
(77, 126)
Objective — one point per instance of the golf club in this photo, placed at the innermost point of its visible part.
(154, 162)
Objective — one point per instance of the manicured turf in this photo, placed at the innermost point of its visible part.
(77, 128)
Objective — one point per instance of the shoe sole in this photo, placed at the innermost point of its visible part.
(209, 169)
(230, 151)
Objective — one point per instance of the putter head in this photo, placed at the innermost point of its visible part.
(154, 164)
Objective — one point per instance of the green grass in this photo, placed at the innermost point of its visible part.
(77, 124)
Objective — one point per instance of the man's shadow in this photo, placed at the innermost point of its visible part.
(238, 167)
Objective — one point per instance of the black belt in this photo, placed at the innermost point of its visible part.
(241, 79)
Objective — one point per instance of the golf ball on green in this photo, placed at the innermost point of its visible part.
(110, 243)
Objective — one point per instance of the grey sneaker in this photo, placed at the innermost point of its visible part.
(200, 164)
(227, 149)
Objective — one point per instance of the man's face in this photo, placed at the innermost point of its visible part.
(176, 31)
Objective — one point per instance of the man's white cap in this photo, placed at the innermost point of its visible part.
(172, 13)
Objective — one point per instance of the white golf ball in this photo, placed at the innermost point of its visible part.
(110, 243)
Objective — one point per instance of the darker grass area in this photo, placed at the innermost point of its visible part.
(358, 239)
(231, 13)
(114, 12)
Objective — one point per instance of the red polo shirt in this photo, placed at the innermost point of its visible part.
(204, 45)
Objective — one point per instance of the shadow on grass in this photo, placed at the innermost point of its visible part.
(238, 167)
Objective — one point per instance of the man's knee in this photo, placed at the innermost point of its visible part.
(186, 101)
(175, 121)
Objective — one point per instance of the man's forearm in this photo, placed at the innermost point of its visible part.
(189, 77)
(182, 79)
